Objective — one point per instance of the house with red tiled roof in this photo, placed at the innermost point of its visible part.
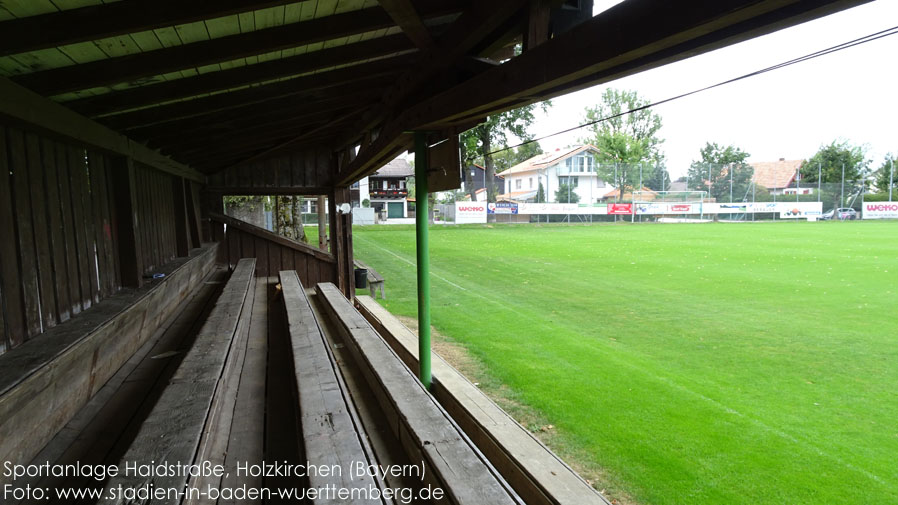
(777, 176)
(573, 165)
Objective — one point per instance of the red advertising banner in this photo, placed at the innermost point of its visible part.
(620, 208)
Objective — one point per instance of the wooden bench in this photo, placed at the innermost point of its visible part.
(533, 470)
(375, 280)
(173, 430)
(48, 379)
(330, 428)
(426, 431)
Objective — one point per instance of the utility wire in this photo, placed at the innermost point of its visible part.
(810, 56)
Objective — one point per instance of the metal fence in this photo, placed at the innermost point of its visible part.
(834, 187)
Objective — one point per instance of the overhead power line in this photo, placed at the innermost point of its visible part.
(810, 56)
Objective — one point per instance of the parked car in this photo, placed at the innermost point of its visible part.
(842, 214)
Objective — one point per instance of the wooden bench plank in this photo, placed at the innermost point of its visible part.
(51, 377)
(172, 431)
(330, 432)
(536, 473)
(423, 426)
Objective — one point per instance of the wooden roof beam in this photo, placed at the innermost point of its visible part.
(255, 94)
(147, 117)
(168, 136)
(242, 76)
(631, 37)
(25, 106)
(469, 31)
(118, 18)
(171, 59)
(404, 15)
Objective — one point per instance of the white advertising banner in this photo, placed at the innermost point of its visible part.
(800, 210)
(668, 208)
(560, 208)
(880, 210)
(470, 212)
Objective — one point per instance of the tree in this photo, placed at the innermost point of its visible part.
(885, 176)
(827, 165)
(566, 193)
(288, 217)
(729, 173)
(491, 133)
(624, 139)
(508, 158)
(541, 193)
(658, 179)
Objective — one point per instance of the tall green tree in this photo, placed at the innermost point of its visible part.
(658, 178)
(541, 193)
(727, 169)
(484, 138)
(566, 193)
(828, 163)
(887, 174)
(624, 140)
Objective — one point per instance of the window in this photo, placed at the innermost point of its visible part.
(568, 163)
(517, 184)
(385, 185)
(572, 181)
(531, 183)
(401, 184)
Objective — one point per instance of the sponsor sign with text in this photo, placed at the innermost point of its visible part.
(470, 212)
(502, 208)
(618, 209)
(880, 210)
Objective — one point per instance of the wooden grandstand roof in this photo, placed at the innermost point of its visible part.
(211, 85)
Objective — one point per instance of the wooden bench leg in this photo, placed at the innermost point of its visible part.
(382, 295)
(371, 289)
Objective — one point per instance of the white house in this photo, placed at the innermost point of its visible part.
(574, 165)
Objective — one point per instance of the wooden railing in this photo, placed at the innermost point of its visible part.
(273, 252)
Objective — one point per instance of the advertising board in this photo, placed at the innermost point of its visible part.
(502, 208)
(470, 212)
(617, 209)
(880, 210)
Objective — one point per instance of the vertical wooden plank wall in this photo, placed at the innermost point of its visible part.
(59, 249)
(156, 207)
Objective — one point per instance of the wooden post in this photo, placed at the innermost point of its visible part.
(341, 240)
(128, 222)
(179, 202)
(193, 218)
(322, 220)
(537, 24)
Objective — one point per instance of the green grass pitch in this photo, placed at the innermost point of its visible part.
(695, 364)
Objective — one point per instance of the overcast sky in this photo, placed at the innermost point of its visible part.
(787, 113)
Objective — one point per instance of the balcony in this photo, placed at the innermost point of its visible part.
(388, 193)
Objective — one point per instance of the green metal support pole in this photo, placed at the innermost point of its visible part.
(421, 221)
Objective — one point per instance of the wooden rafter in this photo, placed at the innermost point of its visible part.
(118, 18)
(174, 115)
(171, 59)
(189, 130)
(404, 15)
(96, 106)
(463, 35)
(23, 105)
(251, 74)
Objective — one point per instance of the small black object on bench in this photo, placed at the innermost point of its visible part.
(375, 280)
